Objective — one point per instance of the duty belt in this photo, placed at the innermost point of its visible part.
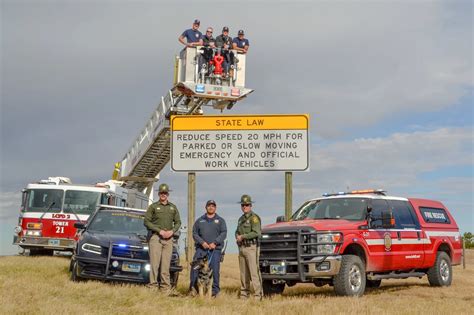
(246, 242)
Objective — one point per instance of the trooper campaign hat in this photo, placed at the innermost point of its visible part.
(245, 199)
(164, 188)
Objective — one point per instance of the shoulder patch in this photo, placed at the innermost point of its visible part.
(255, 219)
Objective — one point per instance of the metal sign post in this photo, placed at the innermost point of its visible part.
(191, 216)
(288, 195)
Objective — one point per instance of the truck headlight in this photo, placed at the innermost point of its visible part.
(328, 238)
(33, 233)
(91, 248)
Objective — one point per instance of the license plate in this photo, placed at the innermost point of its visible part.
(53, 242)
(277, 269)
(131, 267)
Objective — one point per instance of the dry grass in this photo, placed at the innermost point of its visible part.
(42, 285)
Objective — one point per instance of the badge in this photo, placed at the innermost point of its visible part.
(387, 241)
(216, 221)
(197, 35)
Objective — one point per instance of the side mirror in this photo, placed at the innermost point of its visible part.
(79, 225)
(388, 221)
(280, 218)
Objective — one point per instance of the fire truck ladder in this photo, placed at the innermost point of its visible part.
(150, 152)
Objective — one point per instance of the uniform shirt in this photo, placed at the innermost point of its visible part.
(162, 217)
(207, 40)
(210, 230)
(241, 43)
(249, 226)
(221, 40)
(192, 36)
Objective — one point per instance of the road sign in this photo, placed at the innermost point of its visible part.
(240, 143)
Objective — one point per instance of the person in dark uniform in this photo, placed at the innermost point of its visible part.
(193, 36)
(162, 221)
(208, 40)
(240, 43)
(224, 42)
(209, 233)
(249, 230)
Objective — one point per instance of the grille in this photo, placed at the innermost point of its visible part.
(129, 252)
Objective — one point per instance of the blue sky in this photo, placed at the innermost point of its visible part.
(388, 86)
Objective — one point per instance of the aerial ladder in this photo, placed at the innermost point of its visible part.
(198, 82)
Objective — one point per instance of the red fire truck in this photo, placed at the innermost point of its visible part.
(353, 240)
(50, 208)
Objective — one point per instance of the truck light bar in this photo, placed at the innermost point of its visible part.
(357, 192)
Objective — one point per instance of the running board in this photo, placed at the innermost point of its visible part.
(393, 275)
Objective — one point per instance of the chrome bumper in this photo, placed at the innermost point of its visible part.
(318, 267)
(44, 242)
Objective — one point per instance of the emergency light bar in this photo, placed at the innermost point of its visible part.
(357, 192)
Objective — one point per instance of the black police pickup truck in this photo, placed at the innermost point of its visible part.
(112, 246)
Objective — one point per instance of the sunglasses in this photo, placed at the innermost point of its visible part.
(163, 193)
(209, 31)
(246, 205)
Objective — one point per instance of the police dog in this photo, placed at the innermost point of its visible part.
(205, 277)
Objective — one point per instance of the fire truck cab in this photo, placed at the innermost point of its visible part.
(356, 239)
(49, 209)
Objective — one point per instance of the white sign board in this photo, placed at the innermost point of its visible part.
(240, 143)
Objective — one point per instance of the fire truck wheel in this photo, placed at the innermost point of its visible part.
(74, 276)
(269, 288)
(174, 279)
(441, 274)
(373, 283)
(350, 281)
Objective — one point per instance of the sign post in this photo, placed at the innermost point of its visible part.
(191, 215)
(288, 195)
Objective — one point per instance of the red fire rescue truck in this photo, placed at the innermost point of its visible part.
(50, 208)
(354, 240)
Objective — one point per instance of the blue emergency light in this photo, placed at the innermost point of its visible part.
(200, 88)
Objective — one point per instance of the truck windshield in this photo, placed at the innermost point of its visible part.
(118, 222)
(81, 202)
(41, 200)
(352, 209)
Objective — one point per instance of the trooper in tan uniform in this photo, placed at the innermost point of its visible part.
(247, 235)
(162, 221)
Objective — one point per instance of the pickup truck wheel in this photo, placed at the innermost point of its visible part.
(373, 283)
(271, 289)
(441, 274)
(350, 281)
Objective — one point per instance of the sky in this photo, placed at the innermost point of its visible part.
(388, 86)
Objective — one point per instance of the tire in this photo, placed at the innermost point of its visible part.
(441, 274)
(74, 272)
(373, 283)
(350, 281)
(174, 277)
(270, 289)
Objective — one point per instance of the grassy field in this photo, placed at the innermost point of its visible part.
(41, 285)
